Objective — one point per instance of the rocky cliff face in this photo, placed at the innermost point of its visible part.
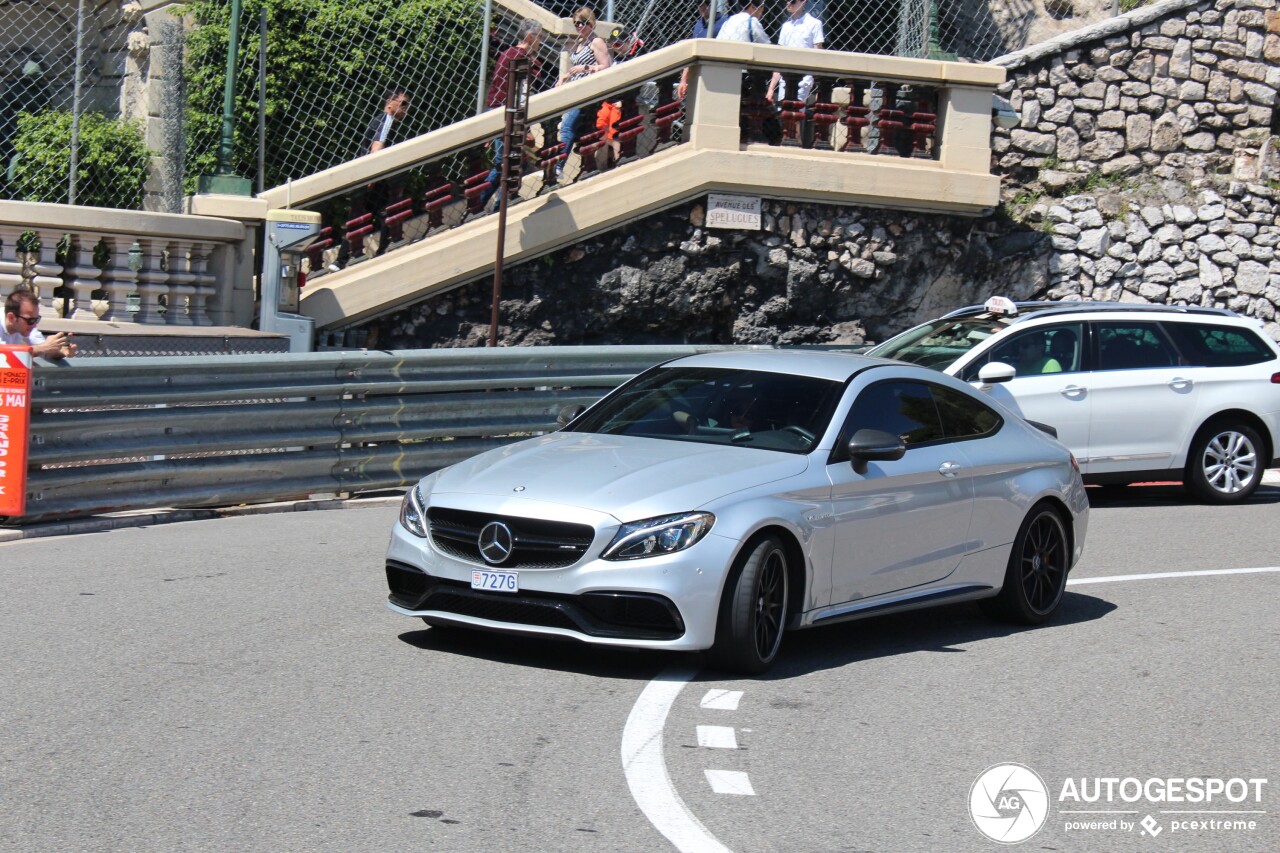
(813, 275)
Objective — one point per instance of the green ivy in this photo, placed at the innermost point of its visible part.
(114, 161)
(353, 51)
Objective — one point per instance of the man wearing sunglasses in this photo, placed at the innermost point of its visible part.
(21, 315)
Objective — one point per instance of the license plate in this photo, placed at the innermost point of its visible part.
(496, 581)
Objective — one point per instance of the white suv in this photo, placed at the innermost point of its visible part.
(1137, 392)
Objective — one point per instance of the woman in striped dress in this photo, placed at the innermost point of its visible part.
(588, 54)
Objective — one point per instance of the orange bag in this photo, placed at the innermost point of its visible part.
(610, 113)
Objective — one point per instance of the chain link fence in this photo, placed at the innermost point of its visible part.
(311, 76)
(65, 132)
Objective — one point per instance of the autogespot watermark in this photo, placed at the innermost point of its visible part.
(1009, 803)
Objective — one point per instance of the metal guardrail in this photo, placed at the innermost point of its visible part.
(114, 434)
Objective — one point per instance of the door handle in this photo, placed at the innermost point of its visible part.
(1177, 383)
(1073, 391)
(949, 469)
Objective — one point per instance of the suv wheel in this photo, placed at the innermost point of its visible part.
(1224, 465)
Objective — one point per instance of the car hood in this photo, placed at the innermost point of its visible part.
(627, 477)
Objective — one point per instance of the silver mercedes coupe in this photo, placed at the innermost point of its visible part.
(716, 501)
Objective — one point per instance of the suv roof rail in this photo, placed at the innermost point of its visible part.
(1027, 310)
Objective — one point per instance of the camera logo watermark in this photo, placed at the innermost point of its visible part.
(1009, 803)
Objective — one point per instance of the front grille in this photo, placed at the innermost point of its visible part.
(615, 615)
(537, 544)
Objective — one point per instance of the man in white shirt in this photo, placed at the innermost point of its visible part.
(21, 314)
(745, 25)
(799, 30)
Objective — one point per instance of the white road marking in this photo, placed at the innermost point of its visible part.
(717, 737)
(730, 782)
(1161, 575)
(646, 768)
(722, 700)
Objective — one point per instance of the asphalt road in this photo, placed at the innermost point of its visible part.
(237, 685)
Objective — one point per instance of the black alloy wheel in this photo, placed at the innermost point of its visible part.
(754, 609)
(1036, 577)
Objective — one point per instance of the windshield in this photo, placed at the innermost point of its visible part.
(938, 344)
(747, 408)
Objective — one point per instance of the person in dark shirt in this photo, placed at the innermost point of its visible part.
(530, 34)
(380, 133)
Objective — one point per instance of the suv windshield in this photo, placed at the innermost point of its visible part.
(939, 343)
(747, 408)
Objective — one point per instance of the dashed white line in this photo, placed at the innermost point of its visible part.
(646, 768)
(717, 737)
(730, 782)
(722, 700)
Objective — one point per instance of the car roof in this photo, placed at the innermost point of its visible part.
(1038, 310)
(823, 364)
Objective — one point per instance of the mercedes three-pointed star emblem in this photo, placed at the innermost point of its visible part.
(495, 541)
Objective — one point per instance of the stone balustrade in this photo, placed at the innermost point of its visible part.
(93, 264)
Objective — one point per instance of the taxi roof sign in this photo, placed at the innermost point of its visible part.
(1001, 305)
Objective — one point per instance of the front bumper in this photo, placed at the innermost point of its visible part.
(667, 602)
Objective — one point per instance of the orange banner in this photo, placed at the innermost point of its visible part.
(15, 421)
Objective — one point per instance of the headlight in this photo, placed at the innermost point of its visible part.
(412, 516)
(654, 536)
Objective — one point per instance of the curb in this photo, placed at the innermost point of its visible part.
(148, 518)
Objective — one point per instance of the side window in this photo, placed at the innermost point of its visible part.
(964, 417)
(1131, 346)
(904, 409)
(1035, 352)
(1207, 345)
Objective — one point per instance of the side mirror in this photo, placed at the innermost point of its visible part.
(995, 372)
(873, 445)
(568, 413)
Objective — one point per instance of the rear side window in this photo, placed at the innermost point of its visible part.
(1207, 345)
(962, 416)
(1132, 346)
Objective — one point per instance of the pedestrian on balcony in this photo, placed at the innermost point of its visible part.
(530, 36)
(381, 133)
(800, 29)
(588, 54)
(745, 24)
(700, 31)
(21, 314)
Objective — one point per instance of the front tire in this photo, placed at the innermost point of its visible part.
(1224, 465)
(753, 611)
(1036, 577)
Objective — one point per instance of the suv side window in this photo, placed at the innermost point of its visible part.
(1035, 352)
(1130, 346)
(1207, 345)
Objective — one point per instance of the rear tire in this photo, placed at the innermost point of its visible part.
(1036, 577)
(753, 611)
(1224, 465)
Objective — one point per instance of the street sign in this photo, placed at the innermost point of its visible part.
(15, 421)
